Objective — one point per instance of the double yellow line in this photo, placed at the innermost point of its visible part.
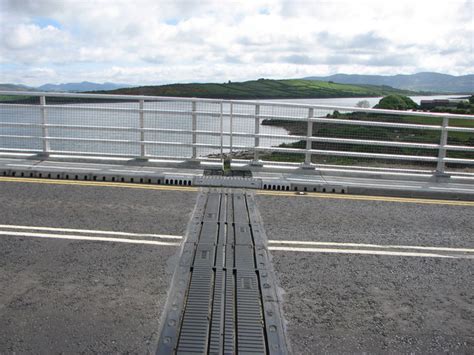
(99, 184)
(368, 198)
(261, 193)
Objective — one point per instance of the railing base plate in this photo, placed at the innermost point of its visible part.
(441, 177)
(42, 155)
(256, 163)
(308, 167)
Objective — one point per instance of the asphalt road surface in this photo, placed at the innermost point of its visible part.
(345, 302)
(73, 296)
(87, 267)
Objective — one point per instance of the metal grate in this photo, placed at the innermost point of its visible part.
(195, 324)
(231, 289)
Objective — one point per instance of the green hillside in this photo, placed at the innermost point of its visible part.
(263, 89)
(15, 87)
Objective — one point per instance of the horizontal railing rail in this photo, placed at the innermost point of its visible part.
(136, 98)
(149, 127)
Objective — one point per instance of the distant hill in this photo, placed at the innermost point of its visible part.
(67, 87)
(263, 89)
(81, 87)
(15, 87)
(432, 82)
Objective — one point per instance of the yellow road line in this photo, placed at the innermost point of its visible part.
(368, 198)
(263, 193)
(99, 184)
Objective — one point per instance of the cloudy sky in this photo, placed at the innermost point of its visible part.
(157, 41)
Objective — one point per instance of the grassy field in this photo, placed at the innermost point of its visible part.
(8, 98)
(371, 133)
(256, 89)
(263, 89)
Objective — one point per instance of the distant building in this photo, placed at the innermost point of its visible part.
(431, 104)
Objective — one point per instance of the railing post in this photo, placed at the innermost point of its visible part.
(440, 166)
(44, 127)
(309, 134)
(231, 119)
(194, 127)
(221, 117)
(256, 161)
(142, 132)
(227, 161)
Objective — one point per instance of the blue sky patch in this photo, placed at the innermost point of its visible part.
(172, 21)
(46, 21)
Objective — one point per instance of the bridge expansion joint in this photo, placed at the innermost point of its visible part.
(224, 298)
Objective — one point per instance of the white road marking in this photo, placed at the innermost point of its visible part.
(449, 188)
(82, 237)
(66, 167)
(356, 245)
(88, 231)
(274, 245)
(50, 167)
(72, 164)
(132, 171)
(365, 252)
(21, 165)
(374, 185)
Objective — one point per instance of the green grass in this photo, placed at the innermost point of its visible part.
(9, 97)
(373, 133)
(263, 89)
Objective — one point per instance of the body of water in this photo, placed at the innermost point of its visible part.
(105, 125)
(352, 101)
(76, 115)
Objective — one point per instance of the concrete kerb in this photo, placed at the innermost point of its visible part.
(326, 181)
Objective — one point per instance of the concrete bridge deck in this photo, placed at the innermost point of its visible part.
(404, 183)
(86, 266)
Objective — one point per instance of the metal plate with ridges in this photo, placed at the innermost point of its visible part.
(216, 341)
(209, 233)
(240, 209)
(243, 234)
(220, 255)
(205, 255)
(224, 298)
(244, 257)
(229, 317)
(223, 208)
(250, 330)
(230, 237)
(229, 256)
(230, 209)
(194, 332)
(211, 213)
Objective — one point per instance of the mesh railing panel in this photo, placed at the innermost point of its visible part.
(93, 127)
(206, 129)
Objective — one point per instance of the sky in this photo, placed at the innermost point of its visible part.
(144, 42)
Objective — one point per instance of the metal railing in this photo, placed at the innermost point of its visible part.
(252, 132)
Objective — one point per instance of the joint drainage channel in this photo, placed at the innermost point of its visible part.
(223, 298)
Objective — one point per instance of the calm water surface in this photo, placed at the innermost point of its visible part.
(171, 121)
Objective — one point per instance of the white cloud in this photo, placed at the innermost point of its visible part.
(149, 41)
(29, 36)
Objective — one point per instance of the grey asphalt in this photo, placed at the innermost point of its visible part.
(379, 222)
(343, 303)
(62, 296)
(80, 296)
